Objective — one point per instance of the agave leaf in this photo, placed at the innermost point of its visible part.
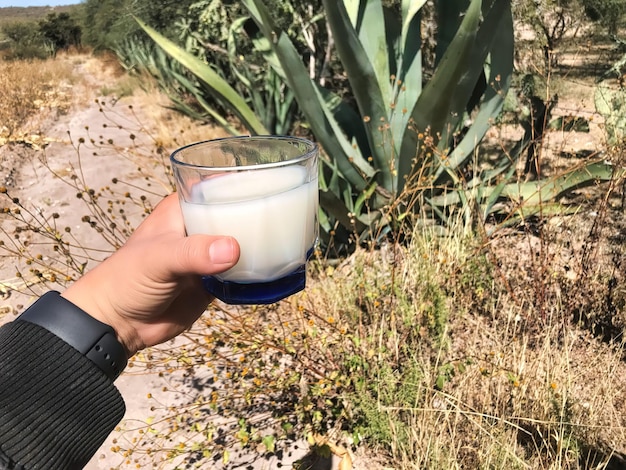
(263, 45)
(348, 157)
(212, 80)
(158, 65)
(545, 209)
(324, 221)
(432, 108)
(569, 124)
(493, 30)
(349, 160)
(337, 208)
(365, 195)
(408, 86)
(347, 118)
(223, 122)
(368, 91)
(523, 212)
(371, 29)
(244, 77)
(495, 34)
(259, 12)
(450, 14)
(496, 194)
(535, 193)
(352, 9)
(410, 8)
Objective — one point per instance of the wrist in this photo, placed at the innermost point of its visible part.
(124, 332)
(94, 339)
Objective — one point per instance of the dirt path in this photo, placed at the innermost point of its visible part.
(39, 174)
(29, 172)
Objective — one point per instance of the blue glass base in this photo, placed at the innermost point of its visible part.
(236, 293)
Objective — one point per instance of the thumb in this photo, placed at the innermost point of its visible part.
(204, 255)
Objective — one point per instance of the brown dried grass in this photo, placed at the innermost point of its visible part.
(29, 92)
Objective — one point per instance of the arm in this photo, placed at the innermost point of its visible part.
(56, 405)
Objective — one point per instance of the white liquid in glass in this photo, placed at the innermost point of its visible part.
(272, 213)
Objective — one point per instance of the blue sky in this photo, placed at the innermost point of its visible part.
(36, 3)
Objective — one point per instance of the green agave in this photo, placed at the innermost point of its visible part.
(375, 149)
(401, 147)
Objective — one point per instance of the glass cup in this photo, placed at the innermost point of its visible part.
(263, 191)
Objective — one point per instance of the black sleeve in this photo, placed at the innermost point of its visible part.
(56, 406)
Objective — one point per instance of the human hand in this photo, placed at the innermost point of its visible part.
(150, 290)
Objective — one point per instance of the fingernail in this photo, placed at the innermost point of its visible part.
(222, 251)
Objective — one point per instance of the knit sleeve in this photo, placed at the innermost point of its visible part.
(56, 406)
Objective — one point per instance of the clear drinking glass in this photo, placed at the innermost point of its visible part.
(263, 191)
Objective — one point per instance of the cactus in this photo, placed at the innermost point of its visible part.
(611, 105)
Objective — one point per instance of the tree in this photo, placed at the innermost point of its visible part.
(551, 21)
(20, 32)
(106, 23)
(26, 41)
(61, 31)
(162, 15)
(609, 13)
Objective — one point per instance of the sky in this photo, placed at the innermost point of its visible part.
(36, 3)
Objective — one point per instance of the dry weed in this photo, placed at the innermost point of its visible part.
(29, 91)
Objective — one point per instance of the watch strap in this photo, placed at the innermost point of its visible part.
(92, 338)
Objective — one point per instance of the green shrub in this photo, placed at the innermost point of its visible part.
(609, 13)
(61, 31)
(26, 42)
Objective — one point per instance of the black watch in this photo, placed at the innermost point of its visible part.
(92, 338)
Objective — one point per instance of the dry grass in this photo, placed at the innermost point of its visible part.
(437, 355)
(170, 128)
(29, 92)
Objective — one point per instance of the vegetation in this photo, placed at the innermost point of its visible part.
(57, 31)
(397, 151)
(27, 90)
(496, 343)
(60, 31)
(218, 33)
(609, 13)
(30, 14)
(109, 22)
(100, 25)
(553, 21)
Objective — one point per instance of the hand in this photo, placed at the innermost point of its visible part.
(150, 290)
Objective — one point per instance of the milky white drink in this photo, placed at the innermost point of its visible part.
(270, 212)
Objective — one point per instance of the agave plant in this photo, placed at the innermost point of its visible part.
(214, 32)
(401, 148)
(378, 147)
(140, 57)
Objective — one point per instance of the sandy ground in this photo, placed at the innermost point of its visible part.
(26, 172)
